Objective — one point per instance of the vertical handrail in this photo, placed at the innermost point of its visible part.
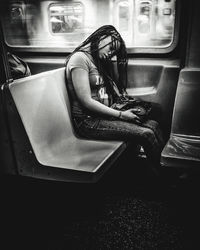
(4, 84)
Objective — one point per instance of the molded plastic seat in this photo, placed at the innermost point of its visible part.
(43, 105)
(183, 147)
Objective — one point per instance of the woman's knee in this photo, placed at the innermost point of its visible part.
(148, 133)
(149, 138)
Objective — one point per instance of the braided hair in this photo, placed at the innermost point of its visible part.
(106, 67)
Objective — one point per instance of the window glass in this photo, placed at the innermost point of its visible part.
(66, 18)
(64, 24)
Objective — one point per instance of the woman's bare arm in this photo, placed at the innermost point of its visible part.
(80, 79)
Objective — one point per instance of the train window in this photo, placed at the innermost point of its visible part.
(62, 24)
(67, 18)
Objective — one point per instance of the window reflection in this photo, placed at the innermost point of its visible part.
(66, 18)
(152, 23)
(144, 17)
(123, 16)
(142, 23)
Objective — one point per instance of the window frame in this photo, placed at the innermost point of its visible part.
(130, 50)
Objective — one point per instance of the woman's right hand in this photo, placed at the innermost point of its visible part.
(128, 115)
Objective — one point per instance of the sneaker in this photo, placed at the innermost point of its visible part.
(141, 153)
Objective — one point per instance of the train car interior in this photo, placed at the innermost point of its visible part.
(62, 191)
(37, 136)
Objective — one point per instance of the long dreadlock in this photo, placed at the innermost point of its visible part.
(106, 67)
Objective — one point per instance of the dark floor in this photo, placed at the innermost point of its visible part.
(127, 209)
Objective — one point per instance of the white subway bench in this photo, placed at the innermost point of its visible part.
(55, 151)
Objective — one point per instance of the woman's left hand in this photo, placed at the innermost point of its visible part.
(129, 115)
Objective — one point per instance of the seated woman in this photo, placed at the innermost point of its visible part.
(96, 83)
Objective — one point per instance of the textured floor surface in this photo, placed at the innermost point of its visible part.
(127, 209)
